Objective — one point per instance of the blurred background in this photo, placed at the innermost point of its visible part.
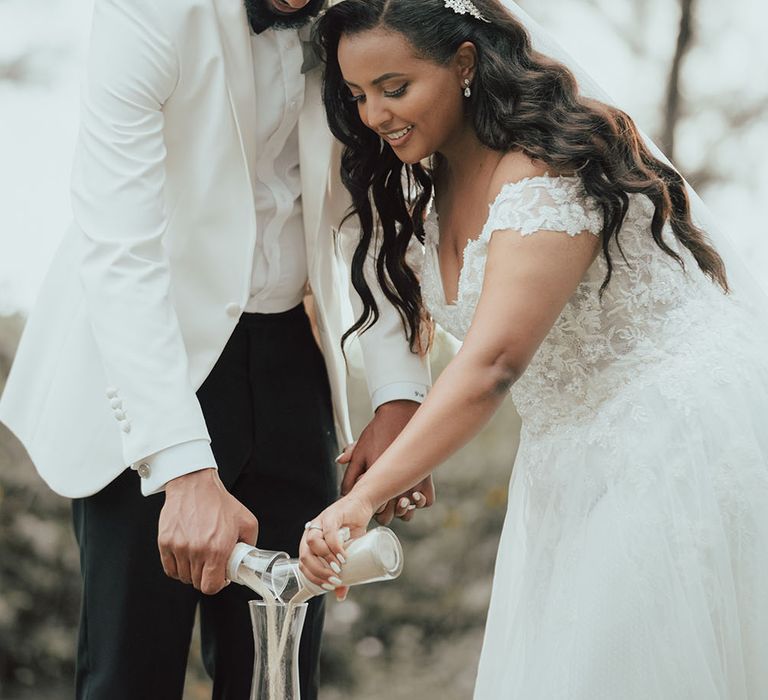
(692, 74)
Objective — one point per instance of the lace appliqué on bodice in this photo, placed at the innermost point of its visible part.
(648, 321)
(527, 206)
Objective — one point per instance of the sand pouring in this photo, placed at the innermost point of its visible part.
(278, 618)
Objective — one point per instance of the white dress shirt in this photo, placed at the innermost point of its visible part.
(280, 259)
(279, 278)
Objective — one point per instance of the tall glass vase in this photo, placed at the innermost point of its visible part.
(276, 635)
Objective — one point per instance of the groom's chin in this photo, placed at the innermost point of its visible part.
(284, 9)
(280, 7)
(280, 14)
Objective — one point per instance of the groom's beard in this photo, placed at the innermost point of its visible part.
(262, 15)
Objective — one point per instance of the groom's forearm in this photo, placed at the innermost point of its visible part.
(120, 211)
(463, 400)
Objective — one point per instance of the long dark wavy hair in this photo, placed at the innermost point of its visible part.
(521, 101)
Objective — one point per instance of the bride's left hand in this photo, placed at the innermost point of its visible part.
(321, 553)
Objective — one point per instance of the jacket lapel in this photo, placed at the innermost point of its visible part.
(315, 152)
(315, 146)
(236, 44)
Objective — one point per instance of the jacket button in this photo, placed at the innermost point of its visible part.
(126, 426)
(111, 392)
(144, 470)
(233, 310)
(116, 403)
(120, 415)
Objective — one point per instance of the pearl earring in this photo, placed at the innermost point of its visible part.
(467, 89)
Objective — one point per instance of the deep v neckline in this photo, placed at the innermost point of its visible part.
(433, 222)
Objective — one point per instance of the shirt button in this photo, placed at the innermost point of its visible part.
(116, 403)
(126, 426)
(120, 415)
(111, 392)
(144, 470)
(233, 310)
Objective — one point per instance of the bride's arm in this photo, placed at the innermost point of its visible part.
(528, 281)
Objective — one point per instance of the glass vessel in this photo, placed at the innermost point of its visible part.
(276, 635)
(376, 556)
(252, 567)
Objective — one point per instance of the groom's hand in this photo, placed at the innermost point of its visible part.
(199, 526)
(387, 423)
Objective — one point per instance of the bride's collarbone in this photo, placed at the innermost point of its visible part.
(460, 219)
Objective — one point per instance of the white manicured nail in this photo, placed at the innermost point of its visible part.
(328, 587)
(339, 457)
(411, 507)
(335, 567)
(341, 558)
(335, 580)
(417, 496)
(404, 503)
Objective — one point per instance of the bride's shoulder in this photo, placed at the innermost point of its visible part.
(527, 195)
(516, 168)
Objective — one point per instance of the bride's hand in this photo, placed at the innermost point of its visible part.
(321, 553)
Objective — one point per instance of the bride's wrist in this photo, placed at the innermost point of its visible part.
(365, 495)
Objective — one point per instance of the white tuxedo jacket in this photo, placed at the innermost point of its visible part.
(151, 277)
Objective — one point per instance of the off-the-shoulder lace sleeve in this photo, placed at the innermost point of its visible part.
(544, 204)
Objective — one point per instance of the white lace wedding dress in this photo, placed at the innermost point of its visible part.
(633, 564)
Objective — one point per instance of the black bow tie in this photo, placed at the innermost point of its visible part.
(261, 24)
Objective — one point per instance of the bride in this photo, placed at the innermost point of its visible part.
(570, 259)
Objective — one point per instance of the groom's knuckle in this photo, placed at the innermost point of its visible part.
(209, 588)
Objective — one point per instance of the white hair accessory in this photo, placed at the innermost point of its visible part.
(465, 7)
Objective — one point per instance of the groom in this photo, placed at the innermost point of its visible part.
(168, 379)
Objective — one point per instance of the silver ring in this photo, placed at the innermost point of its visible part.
(309, 525)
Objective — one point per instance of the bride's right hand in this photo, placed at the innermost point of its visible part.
(321, 554)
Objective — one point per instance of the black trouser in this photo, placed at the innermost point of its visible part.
(268, 409)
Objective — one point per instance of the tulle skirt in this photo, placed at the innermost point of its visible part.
(633, 564)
